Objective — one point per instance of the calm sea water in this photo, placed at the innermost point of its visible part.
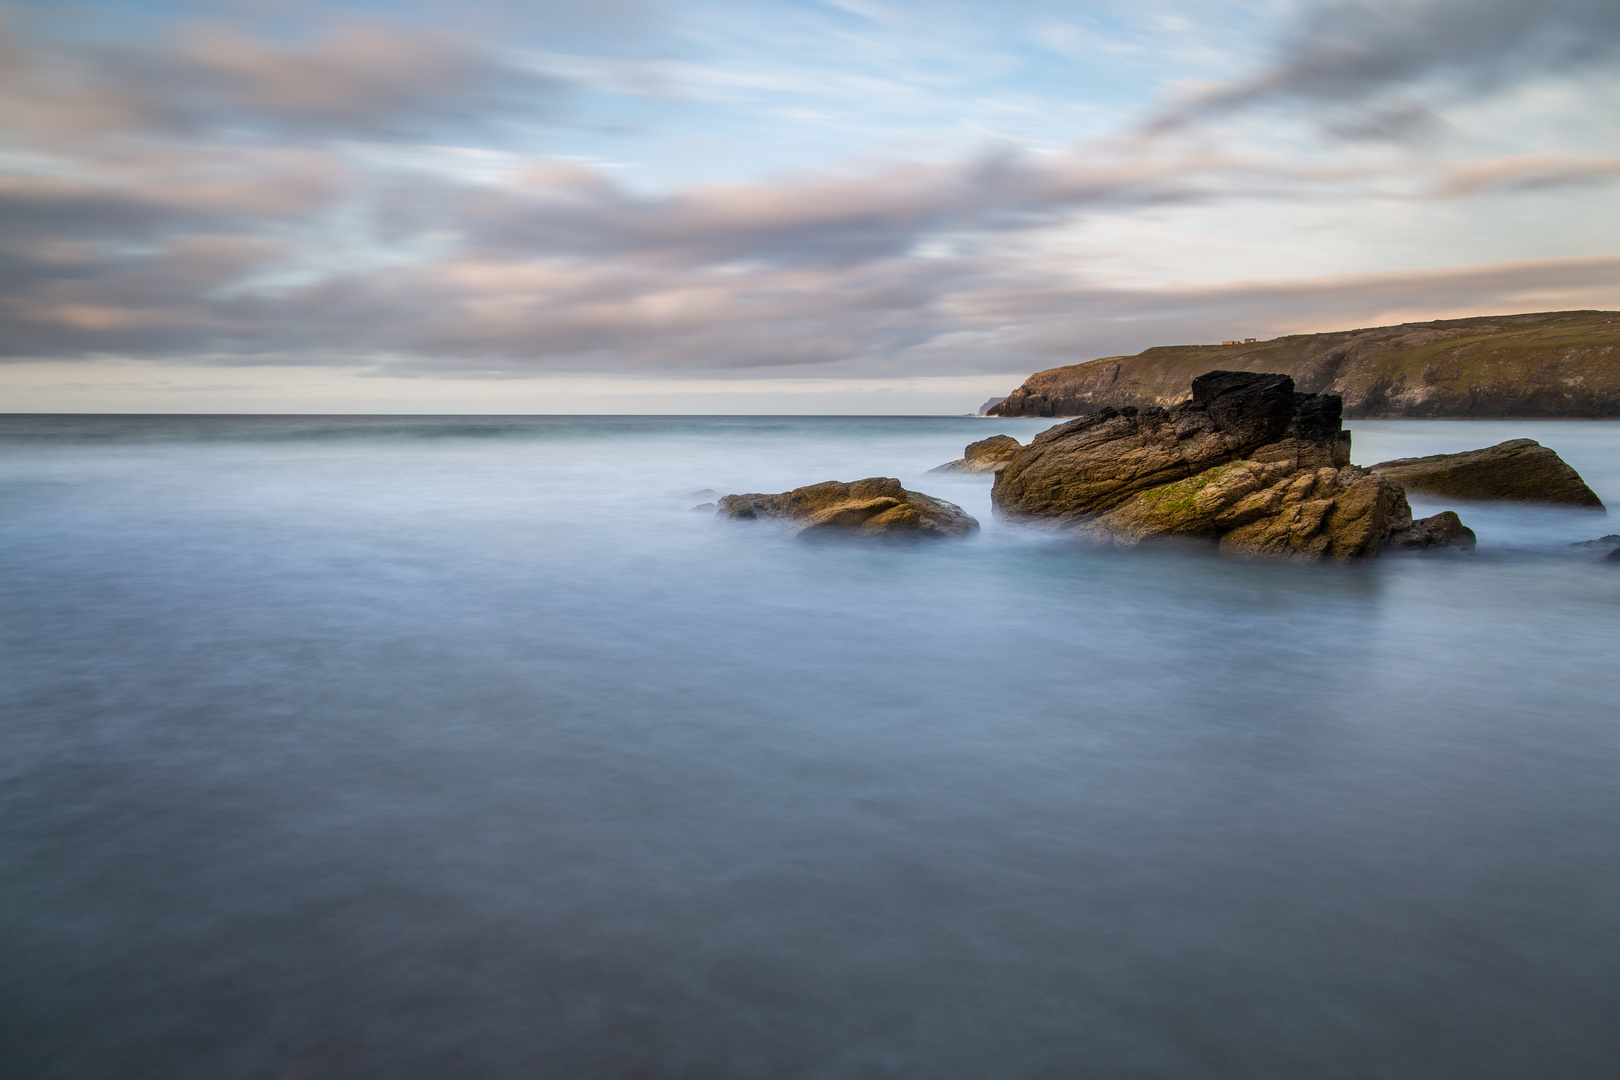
(460, 747)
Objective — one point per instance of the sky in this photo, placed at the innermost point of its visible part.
(772, 206)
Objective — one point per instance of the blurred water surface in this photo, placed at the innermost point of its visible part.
(349, 747)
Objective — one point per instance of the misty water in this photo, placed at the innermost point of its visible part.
(463, 747)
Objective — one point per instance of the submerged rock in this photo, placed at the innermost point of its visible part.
(1444, 529)
(1246, 463)
(986, 455)
(1610, 541)
(873, 506)
(1519, 470)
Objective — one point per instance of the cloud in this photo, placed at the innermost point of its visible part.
(66, 301)
(356, 79)
(1363, 52)
(1527, 172)
(128, 197)
(223, 197)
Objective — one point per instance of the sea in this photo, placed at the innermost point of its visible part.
(349, 747)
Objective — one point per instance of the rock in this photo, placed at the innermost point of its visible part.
(1444, 529)
(1610, 541)
(986, 455)
(705, 506)
(1247, 463)
(1519, 470)
(1613, 556)
(868, 507)
(988, 405)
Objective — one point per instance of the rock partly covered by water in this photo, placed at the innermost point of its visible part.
(876, 505)
(986, 455)
(1246, 462)
(1519, 470)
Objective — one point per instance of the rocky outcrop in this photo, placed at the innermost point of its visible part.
(1562, 363)
(1247, 463)
(1519, 470)
(986, 455)
(1606, 543)
(1441, 530)
(874, 506)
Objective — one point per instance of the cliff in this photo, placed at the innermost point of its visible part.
(1552, 364)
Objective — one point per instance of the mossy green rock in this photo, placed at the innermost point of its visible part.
(874, 506)
(1247, 463)
(1519, 470)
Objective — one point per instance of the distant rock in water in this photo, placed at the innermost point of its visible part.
(875, 506)
(984, 409)
(986, 455)
(1444, 529)
(1560, 363)
(1613, 556)
(1610, 541)
(1247, 463)
(1519, 470)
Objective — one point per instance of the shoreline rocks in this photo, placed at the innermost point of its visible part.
(1246, 463)
(986, 455)
(878, 505)
(1519, 470)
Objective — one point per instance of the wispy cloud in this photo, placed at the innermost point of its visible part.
(357, 79)
(1525, 172)
(1364, 54)
(410, 199)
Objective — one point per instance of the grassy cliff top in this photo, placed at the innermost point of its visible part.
(1546, 362)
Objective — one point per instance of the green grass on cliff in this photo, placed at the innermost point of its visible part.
(1466, 357)
(1550, 360)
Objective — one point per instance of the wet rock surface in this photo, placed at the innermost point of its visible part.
(877, 505)
(986, 455)
(1519, 470)
(1246, 462)
(1441, 530)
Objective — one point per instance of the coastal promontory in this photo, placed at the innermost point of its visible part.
(1552, 364)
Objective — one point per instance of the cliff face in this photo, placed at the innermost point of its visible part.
(1553, 364)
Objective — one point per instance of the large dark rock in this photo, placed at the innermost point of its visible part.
(876, 505)
(1442, 530)
(1519, 470)
(1247, 463)
(986, 455)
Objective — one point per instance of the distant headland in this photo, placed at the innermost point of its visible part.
(1549, 364)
